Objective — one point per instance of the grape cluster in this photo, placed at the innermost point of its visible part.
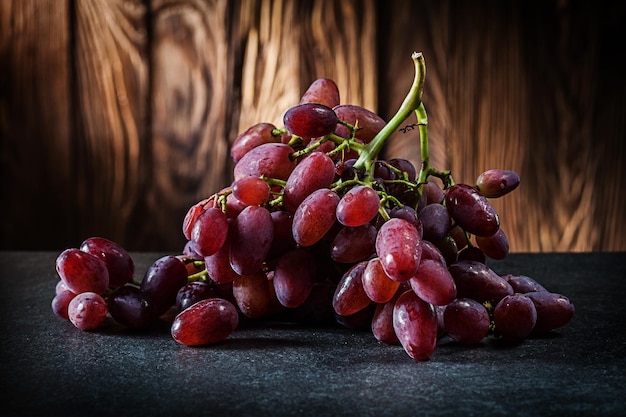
(315, 226)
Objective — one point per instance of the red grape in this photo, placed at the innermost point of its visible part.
(322, 91)
(82, 271)
(314, 217)
(314, 172)
(87, 310)
(433, 283)
(252, 137)
(206, 322)
(358, 206)
(253, 231)
(310, 120)
(209, 231)
(270, 160)
(398, 246)
(415, 324)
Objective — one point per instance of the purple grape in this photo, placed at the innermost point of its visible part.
(350, 297)
(130, 307)
(495, 246)
(523, 284)
(209, 231)
(314, 217)
(294, 277)
(477, 281)
(466, 321)
(192, 292)
(471, 210)
(310, 120)
(61, 302)
(353, 244)
(162, 281)
(514, 317)
(433, 283)
(553, 310)
(495, 183)
(270, 160)
(435, 221)
(358, 206)
(368, 122)
(252, 137)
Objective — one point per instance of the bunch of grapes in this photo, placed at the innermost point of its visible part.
(315, 226)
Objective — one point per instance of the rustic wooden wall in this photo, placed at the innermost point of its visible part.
(116, 116)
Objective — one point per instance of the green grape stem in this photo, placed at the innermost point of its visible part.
(411, 103)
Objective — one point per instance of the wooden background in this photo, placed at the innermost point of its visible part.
(116, 116)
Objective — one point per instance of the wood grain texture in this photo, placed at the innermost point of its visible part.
(116, 116)
(111, 95)
(190, 108)
(35, 125)
(515, 86)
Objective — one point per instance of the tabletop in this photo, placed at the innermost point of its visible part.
(50, 368)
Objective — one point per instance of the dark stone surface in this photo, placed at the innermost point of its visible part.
(49, 368)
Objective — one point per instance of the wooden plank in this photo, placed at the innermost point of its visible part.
(35, 128)
(112, 111)
(191, 95)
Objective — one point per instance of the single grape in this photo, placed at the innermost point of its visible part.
(252, 191)
(310, 120)
(382, 323)
(495, 183)
(209, 231)
(195, 211)
(87, 311)
(350, 297)
(471, 210)
(367, 122)
(433, 283)
(255, 295)
(495, 246)
(477, 281)
(377, 284)
(192, 292)
(270, 160)
(252, 234)
(553, 310)
(206, 322)
(358, 206)
(433, 193)
(353, 244)
(398, 246)
(294, 277)
(314, 217)
(117, 260)
(466, 321)
(162, 281)
(252, 137)
(415, 324)
(514, 317)
(523, 284)
(435, 221)
(61, 302)
(130, 307)
(82, 272)
(322, 91)
(314, 172)
(405, 166)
